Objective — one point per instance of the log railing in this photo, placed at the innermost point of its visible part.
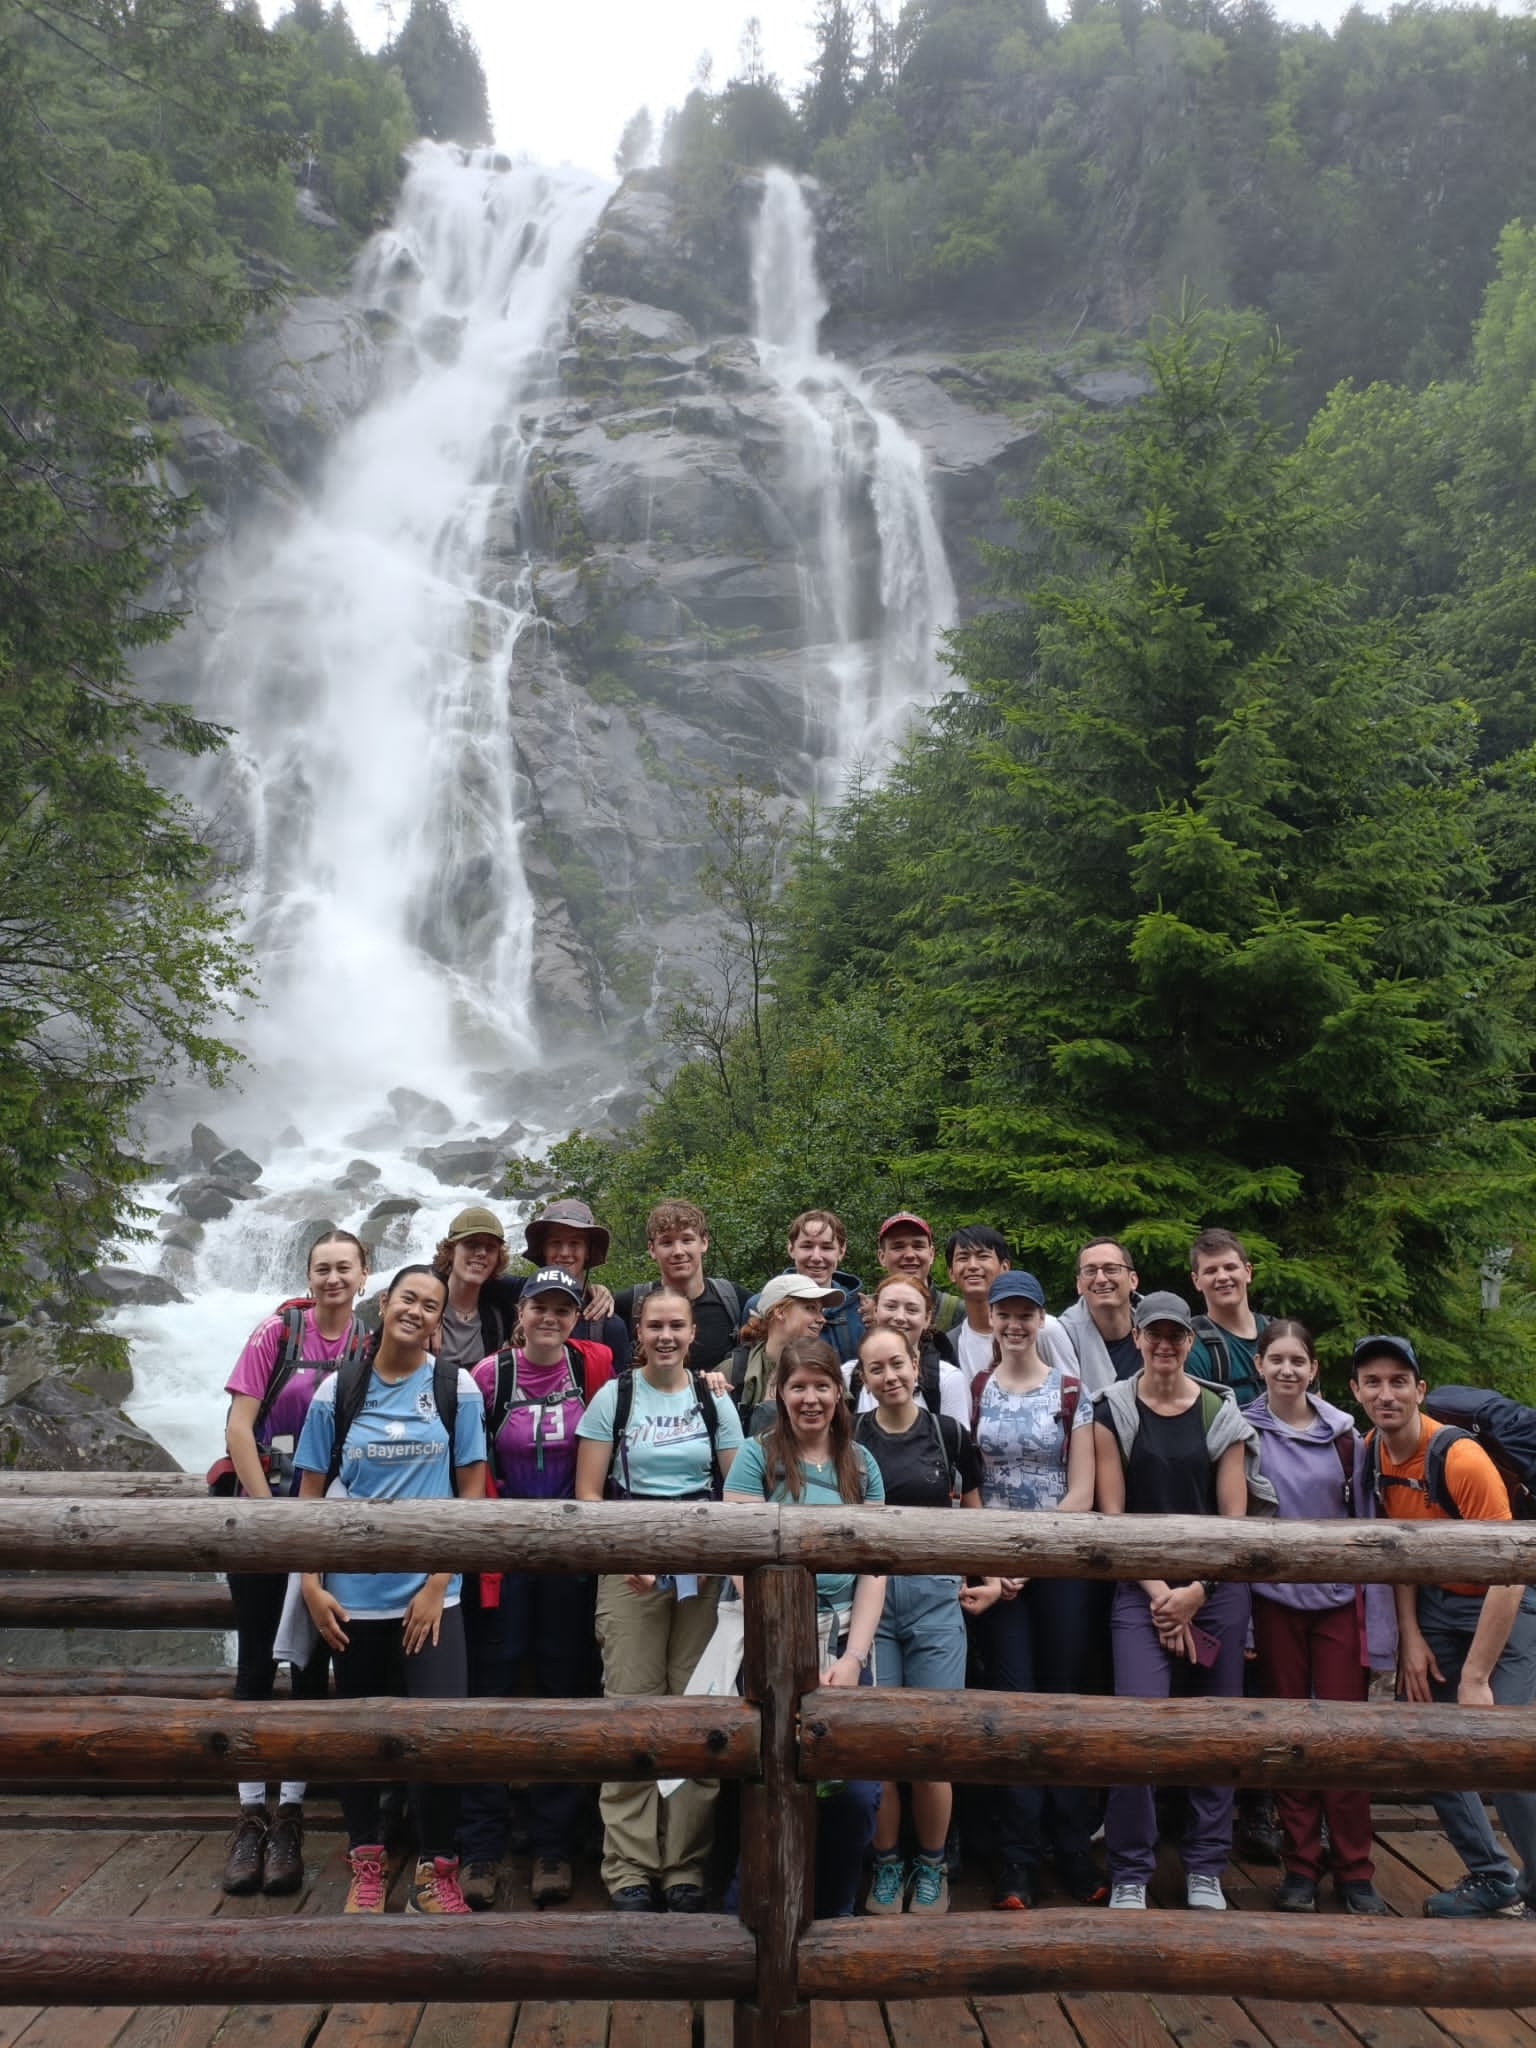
(780, 1737)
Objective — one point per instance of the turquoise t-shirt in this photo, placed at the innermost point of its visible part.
(833, 1589)
(665, 1453)
(397, 1449)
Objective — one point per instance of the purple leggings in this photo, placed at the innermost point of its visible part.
(1144, 1670)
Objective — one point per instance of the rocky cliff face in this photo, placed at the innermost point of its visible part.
(667, 562)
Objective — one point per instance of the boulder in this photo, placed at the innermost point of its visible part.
(238, 1166)
(127, 1287)
(360, 1174)
(1104, 390)
(61, 1424)
(422, 1113)
(211, 1197)
(393, 1205)
(206, 1146)
(462, 1159)
(181, 1233)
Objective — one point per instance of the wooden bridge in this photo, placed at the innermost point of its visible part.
(115, 1930)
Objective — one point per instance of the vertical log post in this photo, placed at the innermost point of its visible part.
(778, 1814)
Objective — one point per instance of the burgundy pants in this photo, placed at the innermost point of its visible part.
(1314, 1653)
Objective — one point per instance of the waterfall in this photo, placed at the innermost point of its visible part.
(875, 581)
(365, 668)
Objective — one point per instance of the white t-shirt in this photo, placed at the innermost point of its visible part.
(973, 1349)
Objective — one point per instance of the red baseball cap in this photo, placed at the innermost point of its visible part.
(903, 1216)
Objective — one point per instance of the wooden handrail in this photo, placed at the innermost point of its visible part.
(57, 1600)
(986, 1738)
(450, 1741)
(605, 1536)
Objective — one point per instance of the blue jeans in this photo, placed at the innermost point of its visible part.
(549, 1618)
(1045, 1640)
(1449, 1621)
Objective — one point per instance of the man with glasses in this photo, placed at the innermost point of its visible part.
(1098, 1323)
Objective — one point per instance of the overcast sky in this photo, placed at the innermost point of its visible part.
(565, 75)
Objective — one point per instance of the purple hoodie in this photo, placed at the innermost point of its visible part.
(1307, 1475)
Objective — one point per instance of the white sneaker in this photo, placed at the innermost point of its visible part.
(1205, 1892)
(1132, 1895)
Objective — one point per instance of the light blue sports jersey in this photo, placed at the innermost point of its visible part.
(666, 1446)
(397, 1449)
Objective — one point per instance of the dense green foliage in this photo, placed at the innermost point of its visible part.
(440, 69)
(985, 157)
(1189, 909)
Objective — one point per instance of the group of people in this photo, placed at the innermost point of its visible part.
(462, 1379)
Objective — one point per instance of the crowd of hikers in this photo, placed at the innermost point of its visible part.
(462, 1379)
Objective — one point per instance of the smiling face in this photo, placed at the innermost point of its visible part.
(815, 1251)
(664, 1332)
(1016, 1322)
(1287, 1369)
(905, 1308)
(1105, 1278)
(547, 1319)
(336, 1272)
(565, 1248)
(412, 1309)
(973, 1269)
(475, 1259)
(890, 1370)
(1222, 1277)
(792, 1319)
(810, 1396)
(1164, 1348)
(680, 1256)
(908, 1250)
(1389, 1390)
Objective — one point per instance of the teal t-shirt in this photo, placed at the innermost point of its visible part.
(833, 1589)
(665, 1453)
(1246, 1382)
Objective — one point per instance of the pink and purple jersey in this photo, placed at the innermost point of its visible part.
(254, 1367)
(534, 1455)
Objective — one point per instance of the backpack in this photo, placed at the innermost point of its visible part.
(352, 1390)
(945, 1429)
(623, 1404)
(726, 1292)
(223, 1480)
(1214, 1338)
(1505, 1429)
(507, 1394)
(1066, 1414)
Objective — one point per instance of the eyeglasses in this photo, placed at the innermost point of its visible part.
(1110, 1271)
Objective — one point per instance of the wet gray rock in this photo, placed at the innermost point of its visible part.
(62, 1424)
(423, 1113)
(211, 1197)
(1104, 390)
(388, 1224)
(314, 366)
(126, 1287)
(462, 1159)
(360, 1175)
(237, 1166)
(206, 1145)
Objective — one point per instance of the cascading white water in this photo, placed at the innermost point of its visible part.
(365, 668)
(875, 579)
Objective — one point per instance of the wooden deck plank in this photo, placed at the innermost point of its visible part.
(1114, 2019)
(581, 2023)
(932, 2023)
(1392, 2026)
(719, 2023)
(1298, 2026)
(1208, 2022)
(858, 2024)
(176, 2026)
(57, 1864)
(121, 1884)
(368, 2026)
(665, 2024)
(1479, 2029)
(77, 2026)
(191, 1890)
(464, 2026)
(1027, 2019)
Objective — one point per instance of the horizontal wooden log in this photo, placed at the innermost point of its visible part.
(990, 1738)
(54, 1600)
(1029, 1545)
(132, 1682)
(448, 1741)
(293, 1535)
(1425, 1962)
(293, 1959)
(569, 1536)
(103, 1486)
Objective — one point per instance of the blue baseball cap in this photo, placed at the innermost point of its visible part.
(1012, 1286)
(555, 1280)
(1394, 1347)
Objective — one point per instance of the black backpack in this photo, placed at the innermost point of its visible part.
(223, 1480)
(352, 1390)
(507, 1394)
(1504, 1428)
(623, 1404)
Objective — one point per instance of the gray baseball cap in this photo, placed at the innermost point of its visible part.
(1163, 1308)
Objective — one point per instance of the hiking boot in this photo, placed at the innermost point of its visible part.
(1126, 1894)
(930, 1886)
(247, 1847)
(1015, 1891)
(1258, 1833)
(1359, 1895)
(366, 1892)
(1083, 1881)
(1296, 1894)
(1204, 1892)
(888, 1886)
(1477, 1896)
(477, 1881)
(282, 1866)
(685, 1898)
(635, 1898)
(551, 1882)
(435, 1887)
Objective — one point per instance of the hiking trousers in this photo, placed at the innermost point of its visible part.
(1449, 1622)
(1315, 1653)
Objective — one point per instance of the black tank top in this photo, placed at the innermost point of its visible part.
(1169, 1471)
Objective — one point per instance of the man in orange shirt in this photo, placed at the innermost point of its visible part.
(1475, 1645)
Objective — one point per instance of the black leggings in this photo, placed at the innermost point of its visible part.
(373, 1665)
(257, 1598)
